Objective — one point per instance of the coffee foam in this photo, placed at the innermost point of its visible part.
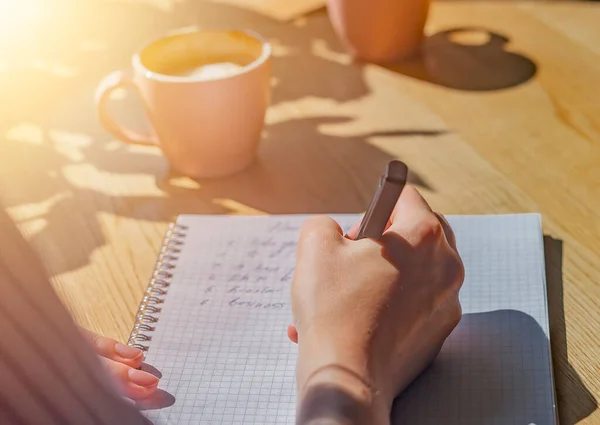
(213, 70)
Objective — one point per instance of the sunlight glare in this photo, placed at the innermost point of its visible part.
(26, 133)
(70, 144)
(18, 19)
(57, 69)
(236, 208)
(184, 183)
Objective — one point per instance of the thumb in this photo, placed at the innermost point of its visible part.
(319, 236)
(320, 228)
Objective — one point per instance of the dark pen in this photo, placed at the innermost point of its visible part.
(382, 205)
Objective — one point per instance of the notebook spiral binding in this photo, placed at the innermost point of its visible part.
(147, 314)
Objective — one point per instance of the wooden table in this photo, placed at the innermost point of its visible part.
(502, 119)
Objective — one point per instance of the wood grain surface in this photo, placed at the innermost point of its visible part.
(500, 114)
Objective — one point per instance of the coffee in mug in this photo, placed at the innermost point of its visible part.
(206, 94)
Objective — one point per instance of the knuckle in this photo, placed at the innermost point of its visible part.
(453, 314)
(454, 320)
(311, 225)
(456, 313)
(429, 229)
(455, 271)
(315, 230)
(310, 239)
(441, 218)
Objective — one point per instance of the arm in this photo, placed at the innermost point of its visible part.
(48, 373)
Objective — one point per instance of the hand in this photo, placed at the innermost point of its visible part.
(371, 315)
(122, 362)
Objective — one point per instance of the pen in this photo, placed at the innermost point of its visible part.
(384, 200)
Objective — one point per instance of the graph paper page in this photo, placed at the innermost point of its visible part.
(220, 342)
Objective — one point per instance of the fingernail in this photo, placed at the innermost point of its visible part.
(141, 378)
(126, 351)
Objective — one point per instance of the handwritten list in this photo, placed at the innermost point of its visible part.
(220, 340)
(260, 276)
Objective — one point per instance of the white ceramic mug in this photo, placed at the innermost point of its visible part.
(206, 94)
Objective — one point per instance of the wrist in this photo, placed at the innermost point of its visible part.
(338, 373)
(336, 395)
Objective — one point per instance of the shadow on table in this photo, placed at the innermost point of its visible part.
(471, 59)
(492, 369)
(575, 402)
(469, 382)
(55, 154)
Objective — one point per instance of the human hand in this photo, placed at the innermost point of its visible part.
(371, 315)
(122, 363)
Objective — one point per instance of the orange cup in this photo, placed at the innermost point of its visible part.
(206, 94)
(379, 31)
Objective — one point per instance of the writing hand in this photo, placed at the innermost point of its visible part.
(369, 316)
(122, 362)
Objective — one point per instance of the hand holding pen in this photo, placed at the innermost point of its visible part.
(372, 308)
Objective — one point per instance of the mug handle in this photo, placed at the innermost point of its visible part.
(110, 83)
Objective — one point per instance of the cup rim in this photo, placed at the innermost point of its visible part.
(138, 66)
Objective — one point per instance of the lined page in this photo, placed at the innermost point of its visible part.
(221, 345)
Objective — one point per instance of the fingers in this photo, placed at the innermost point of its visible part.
(133, 383)
(292, 333)
(411, 206)
(412, 211)
(353, 232)
(114, 350)
(122, 362)
(450, 237)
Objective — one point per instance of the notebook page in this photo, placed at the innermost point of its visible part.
(221, 341)
(495, 368)
(222, 348)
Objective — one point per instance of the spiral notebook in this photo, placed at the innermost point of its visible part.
(214, 320)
